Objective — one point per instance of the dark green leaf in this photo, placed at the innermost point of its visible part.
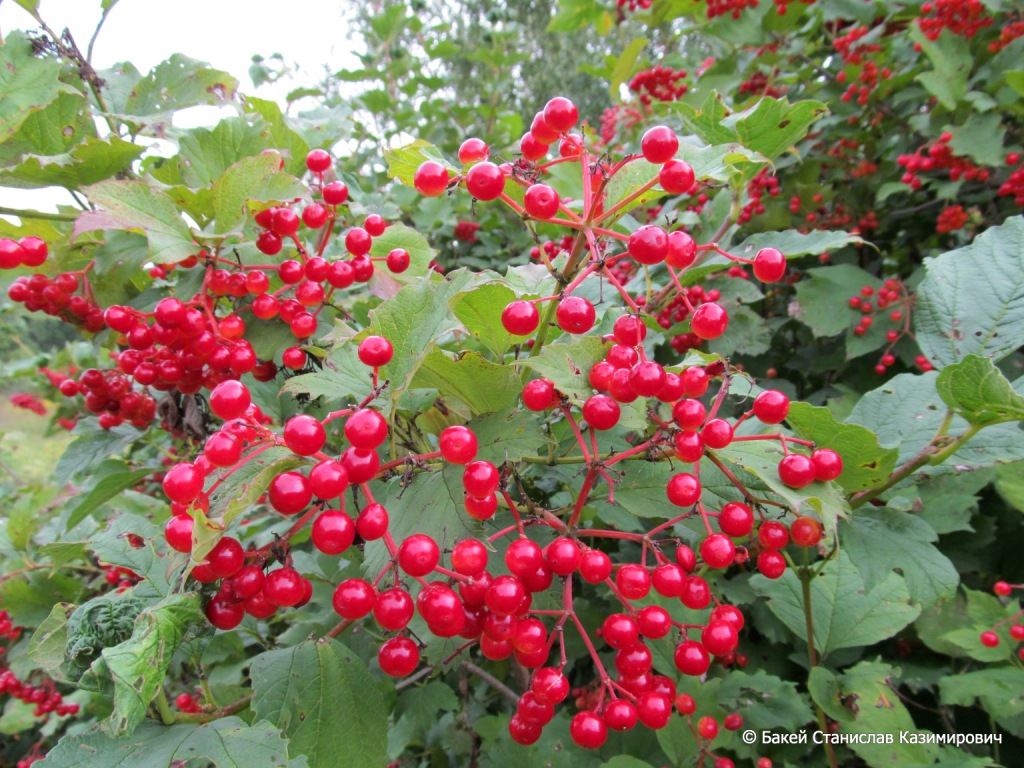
(106, 489)
(951, 320)
(27, 83)
(846, 614)
(251, 183)
(482, 385)
(568, 364)
(227, 743)
(999, 690)
(822, 300)
(325, 701)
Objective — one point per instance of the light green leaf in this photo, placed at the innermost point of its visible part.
(46, 647)
(950, 55)
(480, 311)
(976, 390)
(769, 127)
(954, 628)
(385, 283)
(625, 65)
(343, 376)
(1010, 483)
(951, 321)
(138, 666)
(227, 743)
(27, 82)
(240, 489)
(248, 184)
(863, 701)
(846, 614)
(482, 385)
(135, 206)
(767, 701)
(999, 690)
(325, 701)
(204, 154)
(174, 84)
(91, 446)
(508, 435)
(865, 463)
(89, 162)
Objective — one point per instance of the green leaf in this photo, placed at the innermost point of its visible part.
(111, 546)
(976, 390)
(980, 138)
(29, 598)
(482, 385)
(106, 489)
(1010, 484)
(626, 64)
(865, 463)
(794, 243)
(568, 365)
(136, 206)
(881, 540)
(172, 85)
(204, 154)
(954, 628)
(480, 311)
(846, 614)
(91, 446)
(253, 182)
(27, 83)
(138, 665)
(769, 127)
(53, 130)
(89, 162)
(766, 701)
(46, 647)
(227, 743)
(951, 320)
(282, 135)
(821, 301)
(413, 320)
(747, 334)
(403, 161)
(343, 376)
(573, 15)
(999, 690)
(325, 701)
(863, 701)
(906, 413)
(508, 436)
(950, 56)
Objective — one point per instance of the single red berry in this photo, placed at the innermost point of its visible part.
(333, 532)
(717, 433)
(458, 445)
(796, 470)
(336, 193)
(354, 598)
(692, 658)
(709, 321)
(289, 493)
(431, 178)
(485, 181)
(806, 531)
(520, 318)
(575, 315)
(366, 429)
(989, 639)
(473, 150)
(318, 160)
(683, 489)
(659, 144)
(398, 657)
(648, 244)
(563, 556)
(633, 581)
(469, 557)
(718, 551)
(541, 201)
(601, 412)
(828, 465)
(595, 566)
(418, 555)
(588, 730)
(676, 177)
(375, 351)
(682, 250)
(736, 519)
(769, 265)
(1002, 588)
(304, 435)
(372, 522)
(771, 406)
(561, 114)
(771, 563)
(183, 483)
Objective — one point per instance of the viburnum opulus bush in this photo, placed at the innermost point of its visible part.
(637, 482)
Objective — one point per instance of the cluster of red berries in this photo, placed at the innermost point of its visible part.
(186, 702)
(551, 248)
(763, 182)
(120, 577)
(28, 402)
(57, 297)
(990, 638)
(109, 395)
(658, 84)
(951, 218)
(1014, 185)
(732, 8)
(620, 117)
(895, 303)
(465, 231)
(1007, 35)
(634, 5)
(759, 84)
(939, 156)
(961, 17)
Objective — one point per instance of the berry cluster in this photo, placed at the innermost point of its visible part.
(961, 17)
(951, 218)
(939, 156)
(760, 84)
(763, 182)
(894, 303)
(28, 402)
(1014, 185)
(658, 84)
(990, 638)
(732, 8)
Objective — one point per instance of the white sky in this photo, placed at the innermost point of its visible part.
(310, 34)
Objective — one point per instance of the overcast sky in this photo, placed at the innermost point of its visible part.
(310, 34)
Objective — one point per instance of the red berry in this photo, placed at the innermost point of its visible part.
(418, 555)
(828, 465)
(366, 429)
(683, 490)
(457, 445)
(736, 519)
(473, 150)
(375, 351)
(430, 179)
(588, 730)
(541, 201)
(398, 657)
(183, 483)
(769, 265)
(659, 144)
(354, 598)
(223, 613)
(178, 533)
(601, 412)
(676, 177)
(771, 563)
(806, 531)
(318, 160)
(561, 114)
(773, 535)
(709, 321)
(682, 250)
(595, 566)
(229, 399)
(372, 522)
(771, 406)
(485, 181)
(648, 244)
(304, 435)
(520, 318)
(333, 532)
(289, 493)
(796, 470)
(284, 587)
(692, 658)
(718, 551)
(575, 315)
(480, 478)
(393, 609)
(989, 639)
(563, 556)
(226, 558)
(469, 557)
